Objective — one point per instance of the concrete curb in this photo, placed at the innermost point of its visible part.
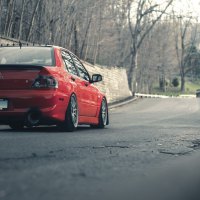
(122, 102)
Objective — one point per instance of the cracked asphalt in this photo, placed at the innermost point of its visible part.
(150, 150)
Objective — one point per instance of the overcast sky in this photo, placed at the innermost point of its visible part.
(188, 7)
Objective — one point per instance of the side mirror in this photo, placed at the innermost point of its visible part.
(96, 78)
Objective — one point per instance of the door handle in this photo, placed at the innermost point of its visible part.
(73, 79)
(86, 84)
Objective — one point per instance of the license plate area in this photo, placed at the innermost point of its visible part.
(3, 104)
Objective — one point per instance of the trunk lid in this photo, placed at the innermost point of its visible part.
(18, 77)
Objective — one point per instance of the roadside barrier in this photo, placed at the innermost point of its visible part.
(163, 96)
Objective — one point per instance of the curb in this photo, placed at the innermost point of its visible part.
(122, 102)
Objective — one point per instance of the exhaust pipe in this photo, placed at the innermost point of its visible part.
(33, 118)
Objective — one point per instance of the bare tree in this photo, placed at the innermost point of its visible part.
(21, 19)
(183, 41)
(85, 37)
(1, 10)
(29, 32)
(147, 15)
(9, 17)
(12, 19)
(181, 51)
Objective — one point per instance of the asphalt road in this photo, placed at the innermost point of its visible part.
(150, 150)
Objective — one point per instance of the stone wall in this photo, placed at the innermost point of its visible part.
(9, 41)
(114, 84)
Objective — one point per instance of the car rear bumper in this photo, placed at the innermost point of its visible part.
(50, 104)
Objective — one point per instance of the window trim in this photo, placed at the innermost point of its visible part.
(71, 54)
(66, 51)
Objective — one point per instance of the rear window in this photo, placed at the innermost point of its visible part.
(27, 56)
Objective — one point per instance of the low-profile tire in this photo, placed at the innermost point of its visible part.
(103, 115)
(71, 117)
(16, 126)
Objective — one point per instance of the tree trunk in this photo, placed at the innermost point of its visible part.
(68, 41)
(7, 17)
(132, 74)
(21, 20)
(11, 21)
(182, 80)
(183, 84)
(76, 44)
(1, 16)
(32, 20)
(85, 38)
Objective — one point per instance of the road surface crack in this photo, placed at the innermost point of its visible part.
(104, 147)
(195, 144)
(32, 156)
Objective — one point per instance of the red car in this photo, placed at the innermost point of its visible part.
(47, 85)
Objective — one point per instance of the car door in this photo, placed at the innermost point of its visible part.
(87, 92)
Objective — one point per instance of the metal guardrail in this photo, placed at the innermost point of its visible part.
(187, 96)
(150, 95)
(164, 96)
(140, 95)
(122, 102)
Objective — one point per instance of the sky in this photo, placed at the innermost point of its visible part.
(187, 7)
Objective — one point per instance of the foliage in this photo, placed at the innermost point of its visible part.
(191, 87)
(175, 82)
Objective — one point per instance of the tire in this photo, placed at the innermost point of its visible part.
(103, 115)
(71, 118)
(17, 126)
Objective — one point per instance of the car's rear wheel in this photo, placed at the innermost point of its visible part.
(103, 115)
(71, 118)
(17, 125)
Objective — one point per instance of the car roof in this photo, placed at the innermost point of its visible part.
(32, 46)
(25, 45)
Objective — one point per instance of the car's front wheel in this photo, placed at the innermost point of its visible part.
(71, 118)
(103, 115)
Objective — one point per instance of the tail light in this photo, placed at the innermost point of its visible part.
(45, 82)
